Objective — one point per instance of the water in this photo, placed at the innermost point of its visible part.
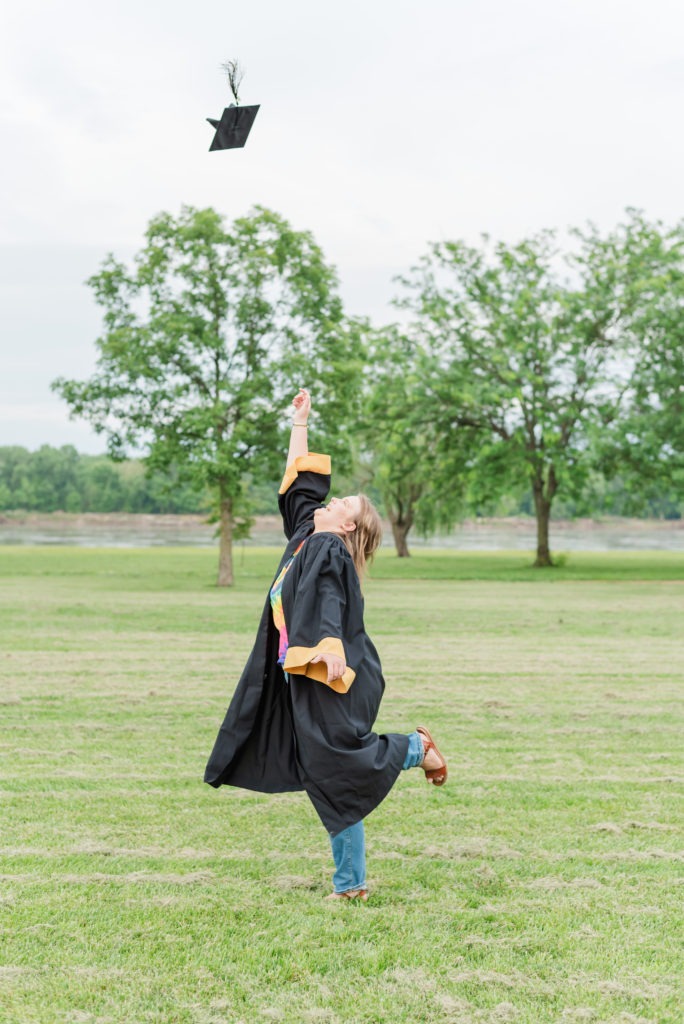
(131, 531)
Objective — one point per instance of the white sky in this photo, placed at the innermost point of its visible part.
(384, 125)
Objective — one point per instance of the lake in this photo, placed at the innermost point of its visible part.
(611, 533)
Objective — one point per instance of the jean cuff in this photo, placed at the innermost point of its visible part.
(415, 755)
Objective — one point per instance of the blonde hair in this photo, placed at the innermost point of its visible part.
(364, 541)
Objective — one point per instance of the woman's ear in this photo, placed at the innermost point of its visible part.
(349, 527)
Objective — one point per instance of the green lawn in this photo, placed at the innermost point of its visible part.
(541, 885)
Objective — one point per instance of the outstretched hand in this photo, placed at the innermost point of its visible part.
(336, 665)
(302, 406)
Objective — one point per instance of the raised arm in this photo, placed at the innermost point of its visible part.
(299, 441)
(307, 474)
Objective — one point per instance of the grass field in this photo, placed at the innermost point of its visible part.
(542, 884)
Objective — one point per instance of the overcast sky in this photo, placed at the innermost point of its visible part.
(384, 125)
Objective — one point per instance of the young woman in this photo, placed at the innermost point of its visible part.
(303, 711)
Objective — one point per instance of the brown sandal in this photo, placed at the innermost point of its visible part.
(351, 894)
(437, 776)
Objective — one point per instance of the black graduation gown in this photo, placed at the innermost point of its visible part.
(309, 735)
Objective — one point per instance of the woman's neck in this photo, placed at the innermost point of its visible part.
(343, 536)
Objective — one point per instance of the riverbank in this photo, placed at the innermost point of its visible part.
(120, 529)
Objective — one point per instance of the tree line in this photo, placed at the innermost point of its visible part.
(63, 480)
(530, 368)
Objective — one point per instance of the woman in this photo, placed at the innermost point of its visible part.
(304, 708)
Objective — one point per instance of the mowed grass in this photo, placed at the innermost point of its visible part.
(542, 884)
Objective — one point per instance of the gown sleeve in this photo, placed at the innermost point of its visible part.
(319, 620)
(304, 487)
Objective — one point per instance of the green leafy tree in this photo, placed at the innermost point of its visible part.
(420, 477)
(53, 473)
(206, 339)
(14, 463)
(644, 448)
(539, 352)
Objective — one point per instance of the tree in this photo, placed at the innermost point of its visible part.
(537, 362)
(40, 481)
(420, 478)
(15, 488)
(205, 340)
(644, 448)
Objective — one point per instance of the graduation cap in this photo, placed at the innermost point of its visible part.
(232, 129)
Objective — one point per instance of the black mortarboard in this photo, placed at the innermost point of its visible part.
(233, 128)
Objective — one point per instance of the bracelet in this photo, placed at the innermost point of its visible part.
(299, 425)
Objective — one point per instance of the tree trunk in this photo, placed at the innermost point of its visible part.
(543, 554)
(225, 570)
(542, 505)
(400, 514)
(400, 531)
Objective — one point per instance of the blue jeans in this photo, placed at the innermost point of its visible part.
(349, 846)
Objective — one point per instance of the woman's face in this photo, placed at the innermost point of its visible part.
(339, 515)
